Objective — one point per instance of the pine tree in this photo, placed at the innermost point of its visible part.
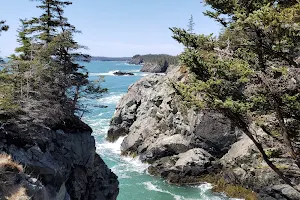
(6, 88)
(47, 80)
(49, 24)
(191, 25)
(25, 41)
(250, 72)
(3, 27)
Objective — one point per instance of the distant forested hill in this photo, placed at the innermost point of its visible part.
(100, 58)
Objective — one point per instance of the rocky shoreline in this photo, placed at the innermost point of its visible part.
(60, 164)
(183, 144)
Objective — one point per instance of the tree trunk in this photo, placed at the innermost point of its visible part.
(244, 127)
(48, 21)
(76, 97)
(285, 133)
(274, 100)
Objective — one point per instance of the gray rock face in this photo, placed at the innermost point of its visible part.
(182, 144)
(185, 167)
(155, 67)
(64, 163)
(157, 124)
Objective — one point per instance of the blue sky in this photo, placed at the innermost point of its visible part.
(117, 27)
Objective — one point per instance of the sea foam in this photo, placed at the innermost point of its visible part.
(111, 99)
(150, 186)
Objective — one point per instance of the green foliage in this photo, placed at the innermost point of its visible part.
(51, 22)
(191, 25)
(25, 41)
(3, 27)
(273, 153)
(7, 105)
(43, 81)
(251, 70)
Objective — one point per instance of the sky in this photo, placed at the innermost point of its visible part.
(116, 28)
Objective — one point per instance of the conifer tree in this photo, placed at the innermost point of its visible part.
(47, 80)
(251, 71)
(3, 27)
(191, 25)
(25, 41)
(51, 21)
(6, 88)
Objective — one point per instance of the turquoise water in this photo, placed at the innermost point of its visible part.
(135, 183)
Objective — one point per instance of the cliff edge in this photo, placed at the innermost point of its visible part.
(61, 164)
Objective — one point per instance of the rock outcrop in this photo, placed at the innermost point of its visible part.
(183, 144)
(136, 60)
(155, 67)
(152, 63)
(62, 162)
(120, 73)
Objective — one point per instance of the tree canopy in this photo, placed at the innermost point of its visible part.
(250, 72)
(42, 83)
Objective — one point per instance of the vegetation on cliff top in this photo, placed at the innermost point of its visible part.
(42, 83)
(250, 70)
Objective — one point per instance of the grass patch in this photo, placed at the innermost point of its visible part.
(233, 191)
(273, 153)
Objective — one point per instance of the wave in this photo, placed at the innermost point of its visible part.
(132, 64)
(113, 147)
(99, 122)
(150, 186)
(205, 193)
(111, 99)
(110, 73)
(126, 165)
(135, 164)
(136, 72)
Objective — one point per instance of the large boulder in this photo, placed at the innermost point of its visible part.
(157, 124)
(185, 168)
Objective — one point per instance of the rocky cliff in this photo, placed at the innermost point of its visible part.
(155, 67)
(60, 164)
(183, 144)
(153, 63)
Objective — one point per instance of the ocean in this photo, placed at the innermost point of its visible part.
(135, 182)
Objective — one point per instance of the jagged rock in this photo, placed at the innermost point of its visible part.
(155, 67)
(185, 168)
(120, 73)
(157, 125)
(285, 190)
(181, 143)
(65, 164)
(137, 60)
